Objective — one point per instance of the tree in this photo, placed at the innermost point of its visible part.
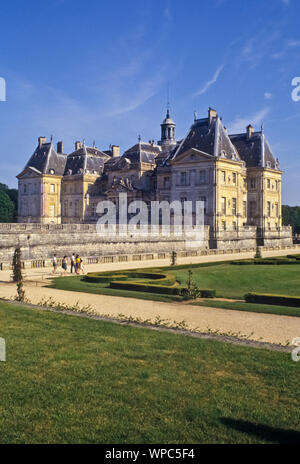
(8, 204)
(17, 274)
(192, 291)
(7, 208)
(291, 216)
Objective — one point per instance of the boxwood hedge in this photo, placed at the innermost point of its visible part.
(279, 300)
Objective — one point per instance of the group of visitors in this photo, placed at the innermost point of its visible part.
(75, 262)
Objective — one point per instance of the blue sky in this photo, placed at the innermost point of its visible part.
(99, 70)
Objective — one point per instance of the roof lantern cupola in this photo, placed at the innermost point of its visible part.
(168, 131)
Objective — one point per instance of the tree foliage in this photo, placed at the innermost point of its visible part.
(17, 274)
(8, 204)
(291, 217)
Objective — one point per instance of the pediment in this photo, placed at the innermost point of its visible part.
(192, 155)
(29, 172)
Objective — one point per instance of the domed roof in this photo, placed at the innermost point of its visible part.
(168, 120)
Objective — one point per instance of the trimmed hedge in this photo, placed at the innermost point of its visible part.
(277, 261)
(297, 257)
(144, 287)
(103, 277)
(98, 278)
(208, 293)
(278, 300)
(243, 263)
(266, 261)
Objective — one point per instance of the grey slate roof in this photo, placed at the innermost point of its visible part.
(211, 138)
(142, 153)
(253, 149)
(46, 160)
(85, 160)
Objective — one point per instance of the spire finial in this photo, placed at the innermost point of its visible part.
(262, 127)
(195, 116)
(51, 138)
(168, 100)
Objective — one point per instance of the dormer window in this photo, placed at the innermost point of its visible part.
(52, 171)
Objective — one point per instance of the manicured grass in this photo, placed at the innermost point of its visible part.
(252, 307)
(232, 281)
(229, 281)
(77, 284)
(76, 380)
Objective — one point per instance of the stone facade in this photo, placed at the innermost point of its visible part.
(236, 177)
(39, 242)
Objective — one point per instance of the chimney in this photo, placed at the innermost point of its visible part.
(211, 114)
(249, 131)
(60, 147)
(41, 141)
(115, 150)
(77, 145)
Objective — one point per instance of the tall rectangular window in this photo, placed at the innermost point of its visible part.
(223, 205)
(76, 208)
(52, 210)
(204, 201)
(234, 206)
(202, 177)
(234, 178)
(52, 188)
(252, 208)
(244, 208)
(166, 182)
(183, 178)
(223, 176)
(268, 208)
(252, 183)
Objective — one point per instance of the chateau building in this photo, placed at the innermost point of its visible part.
(236, 176)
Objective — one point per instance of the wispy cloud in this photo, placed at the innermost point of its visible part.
(260, 45)
(209, 83)
(268, 95)
(291, 44)
(240, 123)
(285, 2)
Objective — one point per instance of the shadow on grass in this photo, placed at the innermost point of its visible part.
(263, 432)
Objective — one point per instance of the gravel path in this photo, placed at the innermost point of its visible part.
(260, 327)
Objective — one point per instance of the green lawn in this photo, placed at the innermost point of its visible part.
(252, 307)
(77, 380)
(232, 281)
(76, 284)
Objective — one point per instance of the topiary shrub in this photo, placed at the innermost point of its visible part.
(258, 254)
